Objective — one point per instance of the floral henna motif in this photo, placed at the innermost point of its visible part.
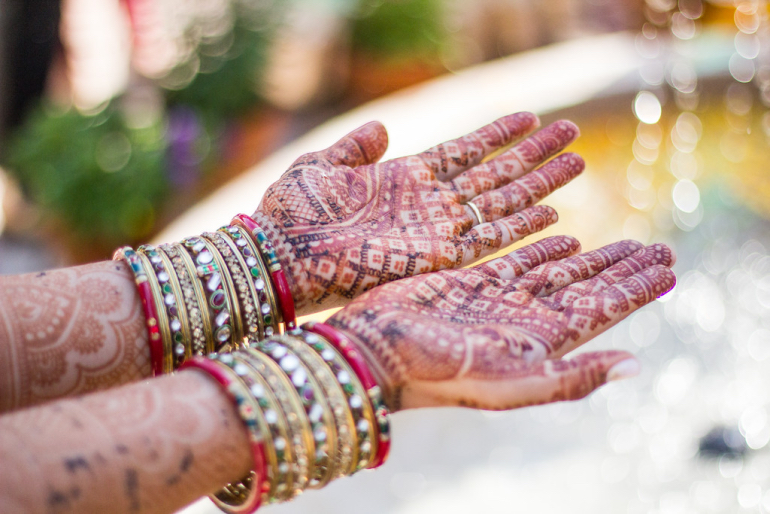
(69, 331)
(462, 337)
(149, 447)
(343, 223)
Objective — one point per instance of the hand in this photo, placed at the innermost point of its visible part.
(343, 223)
(492, 336)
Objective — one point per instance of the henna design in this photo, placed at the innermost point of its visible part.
(343, 223)
(68, 332)
(492, 335)
(154, 446)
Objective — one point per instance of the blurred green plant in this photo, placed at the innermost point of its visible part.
(399, 29)
(97, 176)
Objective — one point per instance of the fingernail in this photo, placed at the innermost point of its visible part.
(624, 369)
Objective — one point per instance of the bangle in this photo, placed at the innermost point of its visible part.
(359, 365)
(356, 394)
(210, 274)
(223, 256)
(205, 339)
(196, 336)
(245, 496)
(299, 422)
(128, 254)
(280, 283)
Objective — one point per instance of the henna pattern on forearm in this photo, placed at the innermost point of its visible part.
(342, 223)
(451, 335)
(68, 332)
(149, 447)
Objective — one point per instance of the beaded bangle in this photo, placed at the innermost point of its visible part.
(279, 278)
(223, 255)
(162, 315)
(299, 424)
(171, 295)
(271, 416)
(210, 275)
(256, 270)
(356, 394)
(196, 336)
(248, 496)
(206, 338)
(290, 352)
(128, 254)
(253, 324)
(359, 365)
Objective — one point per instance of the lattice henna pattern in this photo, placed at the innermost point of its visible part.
(343, 223)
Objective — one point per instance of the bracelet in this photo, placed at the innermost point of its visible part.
(362, 411)
(245, 496)
(374, 392)
(128, 254)
(222, 254)
(276, 272)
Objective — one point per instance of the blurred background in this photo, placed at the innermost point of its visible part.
(123, 121)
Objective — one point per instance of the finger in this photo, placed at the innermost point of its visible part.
(487, 238)
(591, 315)
(529, 189)
(517, 161)
(642, 259)
(527, 257)
(551, 276)
(449, 159)
(365, 145)
(545, 382)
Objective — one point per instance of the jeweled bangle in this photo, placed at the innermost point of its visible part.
(194, 331)
(203, 342)
(223, 255)
(290, 352)
(154, 338)
(250, 496)
(359, 365)
(275, 428)
(209, 274)
(263, 282)
(360, 407)
(261, 318)
(173, 303)
(274, 266)
(291, 404)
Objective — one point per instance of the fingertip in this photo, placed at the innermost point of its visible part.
(373, 140)
(626, 368)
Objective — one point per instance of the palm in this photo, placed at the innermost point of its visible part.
(456, 336)
(345, 223)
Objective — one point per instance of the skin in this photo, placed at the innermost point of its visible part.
(341, 224)
(489, 337)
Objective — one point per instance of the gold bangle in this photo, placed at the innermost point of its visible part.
(299, 423)
(180, 335)
(200, 293)
(191, 297)
(253, 323)
(271, 314)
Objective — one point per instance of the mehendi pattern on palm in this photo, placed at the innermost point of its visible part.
(455, 336)
(343, 223)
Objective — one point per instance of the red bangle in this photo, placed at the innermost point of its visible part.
(348, 350)
(128, 255)
(224, 376)
(281, 285)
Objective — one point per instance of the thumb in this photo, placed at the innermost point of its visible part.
(365, 145)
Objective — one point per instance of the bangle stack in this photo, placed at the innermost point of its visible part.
(210, 293)
(313, 413)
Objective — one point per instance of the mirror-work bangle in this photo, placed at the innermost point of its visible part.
(128, 254)
(359, 365)
(276, 273)
(245, 496)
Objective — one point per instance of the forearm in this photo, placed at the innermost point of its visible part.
(149, 447)
(69, 331)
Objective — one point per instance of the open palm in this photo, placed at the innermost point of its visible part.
(343, 223)
(493, 336)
